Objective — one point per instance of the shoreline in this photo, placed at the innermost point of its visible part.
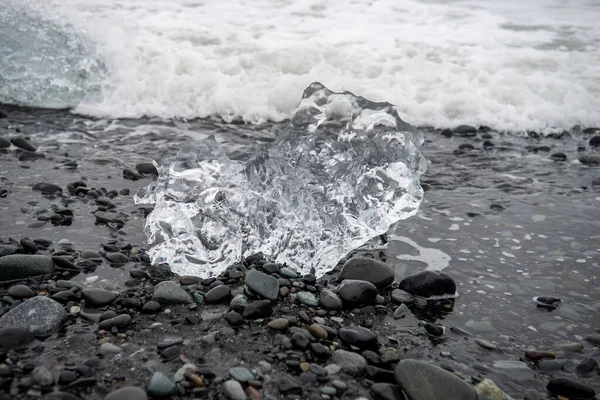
(460, 129)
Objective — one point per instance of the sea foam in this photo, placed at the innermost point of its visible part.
(511, 65)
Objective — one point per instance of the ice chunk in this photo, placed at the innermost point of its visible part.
(343, 172)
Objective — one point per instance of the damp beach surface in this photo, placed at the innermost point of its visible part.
(503, 215)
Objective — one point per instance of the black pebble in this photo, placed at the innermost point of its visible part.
(234, 318)
(131, 175)
(151, 307)
(23, 144)
(170, 353)
(595, 141)
(47, 188)
(67, 377)
(558, 157)
(386, 391)
(218, 294)
(571, 389)
(300, 341)
(362, 338)
(146, 168)
(258, 309)
(15, 338)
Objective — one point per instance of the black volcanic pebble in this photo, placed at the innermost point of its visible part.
(131, 303)
(28, 245)
(329, 300)
(558, 157)
(258, 309)
(318, 350)
(23, 144)
(586, 366)
(234, 318)
(367, 269)
(20, 292)
(131, 175)
(595, 141)
(429, 283)
(377, 374)
(65, 263)
(29, 155)
(270, 268)
(465, 130)
(146, 168)
(4, 143)
(118, 322)
(359, 337)
(386, 391)
(300, 341)
(170, 353)
(15, 338)
(127, 393)
(446, 133)
(265, 285)
(570, 389)
(108, 315)
(287, 385)
(67, 377)
(357, 293)
(7, 250)
(434, 329)
(47, 188)
(218, 294)
(116, 258)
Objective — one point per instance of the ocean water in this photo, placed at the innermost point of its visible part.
(511, 65)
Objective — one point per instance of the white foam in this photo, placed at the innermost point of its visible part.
(512, 65)
(435, 259)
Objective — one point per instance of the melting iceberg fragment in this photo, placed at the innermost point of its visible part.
(344, 171)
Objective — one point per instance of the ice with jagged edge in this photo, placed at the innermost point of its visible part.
(343, 172)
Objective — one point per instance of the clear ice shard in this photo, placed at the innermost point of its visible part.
(343, 172)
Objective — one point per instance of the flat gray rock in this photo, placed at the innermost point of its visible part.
(19, 266)
(367, 269)
(424, 381)
(234, 390)
(40, 315)
(98, 297)
(127, 393)
(265, 285)
(169, 292)
(351, 363)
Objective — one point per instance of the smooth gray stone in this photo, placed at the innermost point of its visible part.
(127, 393)
(351, 363)
(19, 266)
(307, 298)
(42, 376)
(120, 321)
(265, 285)
(15, 338)
(367, 269)
(169, 292)
(234, 390)
(424, 381)
(330, 300)
(161, 386)
(98, 297)
(39, 315)
(401, 311)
